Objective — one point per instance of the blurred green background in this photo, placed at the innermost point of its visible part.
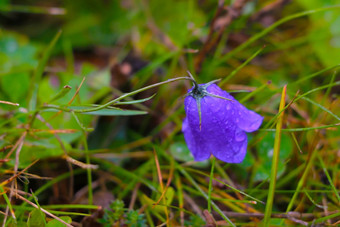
(121, 46)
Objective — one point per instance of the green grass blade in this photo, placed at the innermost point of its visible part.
(33, 91)
(322, 107)
(225, 184)
(303, 97)
(210, 183)
(302, 180)
(302, 129)
(329, 177)
(323, 219)
(193, 182)
(257, 90)
(4, 195)
(270, 28)
(66, 89)
(276, 153)
(233, 73)
(315, 74)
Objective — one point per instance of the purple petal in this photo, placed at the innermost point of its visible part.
(195, 141)
(226, 141)
(247, 120)
(223, 127)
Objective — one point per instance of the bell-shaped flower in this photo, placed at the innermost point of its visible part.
(216, 124)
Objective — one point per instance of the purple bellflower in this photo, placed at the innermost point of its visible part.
(216, 124)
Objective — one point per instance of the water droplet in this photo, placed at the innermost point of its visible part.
(270, 153)
(240, 136)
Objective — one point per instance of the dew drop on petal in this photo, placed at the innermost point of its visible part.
(240, 136)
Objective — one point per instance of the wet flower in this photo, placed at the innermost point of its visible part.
(216, 124)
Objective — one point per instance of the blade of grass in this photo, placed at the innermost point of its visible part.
(193, 182)
(180, 197)
(276, 153)
(39, 207)
(210, 182)
(323, 219)
(302, 180)
(34, 87)
(227, 185)
(270, 28)
(143, 75)
(315, 74)
(328, 177)
(71, 206)
(303, 97)
(257, 90)
(302, 129)
(66, 89)
(321, 107)
(68, 52)
(88, 170)
(9, 205)
(68, 213)
(232, 74)
(160, 179)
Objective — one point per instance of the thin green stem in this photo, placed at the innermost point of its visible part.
(210, 183)
(233, 73)
(88, 170)
(328, 177)
(302, 129)
(117, 99)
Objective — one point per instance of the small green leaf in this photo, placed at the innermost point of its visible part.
(135, 101)
(66, 89)
(36, 218)
(15, 86)
(56, 223)
(169, 195)
(265, 153)
(181, 152)
(109, 111)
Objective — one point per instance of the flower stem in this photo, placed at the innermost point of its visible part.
(210, 183)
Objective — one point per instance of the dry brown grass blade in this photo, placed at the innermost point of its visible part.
(78, 163)
(9, 103)
(15, 175)
(167, 184)
(160, 179)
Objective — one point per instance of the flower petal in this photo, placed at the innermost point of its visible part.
(224, 124)
(226, 141)
(247, 120)
(192, 135)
